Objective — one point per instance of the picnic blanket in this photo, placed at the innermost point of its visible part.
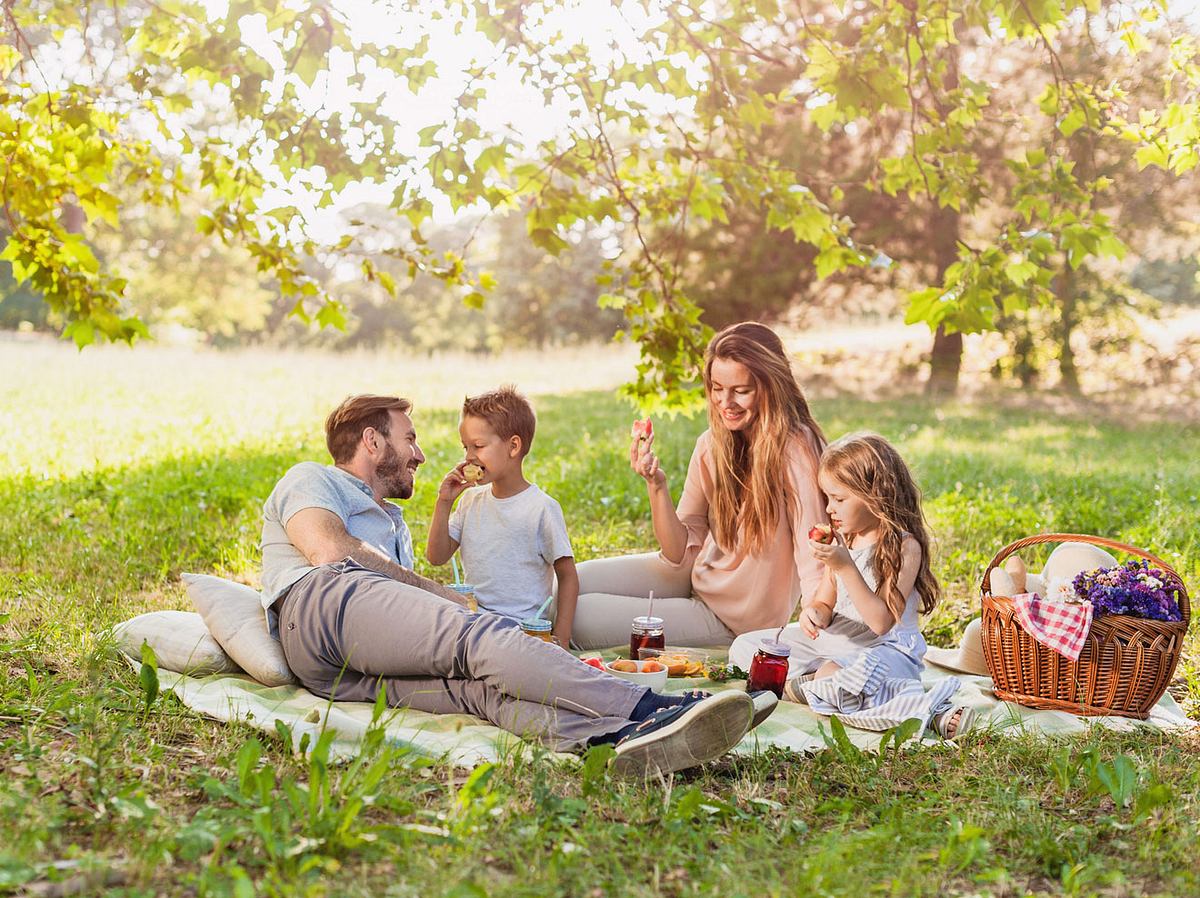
(466, 741)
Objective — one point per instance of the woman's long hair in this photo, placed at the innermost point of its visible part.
(871, 468)
(750, 486)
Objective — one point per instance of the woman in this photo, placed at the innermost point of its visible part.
(735, 555)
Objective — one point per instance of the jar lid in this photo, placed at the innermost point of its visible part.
(647, 623)
(536, 623)
(771, 647)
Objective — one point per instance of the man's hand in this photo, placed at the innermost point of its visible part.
(322, 538)
(815, 618)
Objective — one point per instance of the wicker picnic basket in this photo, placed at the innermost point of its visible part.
(1124, 668)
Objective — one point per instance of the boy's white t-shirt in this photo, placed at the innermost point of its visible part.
(509, 547)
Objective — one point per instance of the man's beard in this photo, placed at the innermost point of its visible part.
(395, 477)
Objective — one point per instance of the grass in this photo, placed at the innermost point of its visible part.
(120, 470)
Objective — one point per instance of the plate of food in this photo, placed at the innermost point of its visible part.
(680, 662)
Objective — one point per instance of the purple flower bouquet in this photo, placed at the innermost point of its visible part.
(1134, 588)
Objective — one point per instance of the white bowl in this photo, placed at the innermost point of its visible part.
(655, 679)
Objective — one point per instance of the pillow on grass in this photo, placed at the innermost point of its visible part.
(234, 615)
(179, 639)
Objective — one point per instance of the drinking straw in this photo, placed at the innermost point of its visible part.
(650, 610)
(454, 567)
(545, 605)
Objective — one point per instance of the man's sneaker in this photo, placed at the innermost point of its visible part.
(765, 701)
(679, 738)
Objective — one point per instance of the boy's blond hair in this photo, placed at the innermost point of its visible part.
(507, 412)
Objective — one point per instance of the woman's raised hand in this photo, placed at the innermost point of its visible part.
(643, 460)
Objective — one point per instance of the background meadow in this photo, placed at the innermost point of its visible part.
(120, 469)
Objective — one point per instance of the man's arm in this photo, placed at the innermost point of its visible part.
(322, 538)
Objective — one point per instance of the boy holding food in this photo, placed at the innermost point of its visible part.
(512, 536)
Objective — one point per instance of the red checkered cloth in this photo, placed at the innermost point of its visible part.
(1057, 625)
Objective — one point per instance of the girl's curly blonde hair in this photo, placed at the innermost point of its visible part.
(871, 468)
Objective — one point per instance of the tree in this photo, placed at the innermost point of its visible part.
(656, 137)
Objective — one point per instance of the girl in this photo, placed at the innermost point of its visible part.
(857, 650)
(735, 554)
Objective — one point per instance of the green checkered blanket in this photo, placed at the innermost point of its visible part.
(464, 740)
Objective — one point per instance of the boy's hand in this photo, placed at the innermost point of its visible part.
(453, 485)
(643, 460)
(836, 557)
(815, 618)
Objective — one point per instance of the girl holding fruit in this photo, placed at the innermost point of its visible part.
(857, 650)
(735, 554)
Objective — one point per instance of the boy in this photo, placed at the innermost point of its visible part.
(512, 536)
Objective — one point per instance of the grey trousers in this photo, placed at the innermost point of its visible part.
(346, 631)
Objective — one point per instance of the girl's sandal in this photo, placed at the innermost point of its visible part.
(792, 691)
(953, 723)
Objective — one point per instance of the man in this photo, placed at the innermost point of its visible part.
(353, 617)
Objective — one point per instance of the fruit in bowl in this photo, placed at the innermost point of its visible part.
(644, 673)
(821, 533)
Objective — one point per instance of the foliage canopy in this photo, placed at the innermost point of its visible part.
(111, 109)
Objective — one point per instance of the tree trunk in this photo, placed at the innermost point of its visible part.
(945, 358)
(1066, 357)
(945, 363)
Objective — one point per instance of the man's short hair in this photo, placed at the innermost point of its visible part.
(345, 424)
(507, 412)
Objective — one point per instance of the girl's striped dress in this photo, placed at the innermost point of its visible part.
(879, 684)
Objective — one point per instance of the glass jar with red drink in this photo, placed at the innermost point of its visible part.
(647, 633)
(769, 667)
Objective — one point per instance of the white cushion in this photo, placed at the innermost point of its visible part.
(179, 639)
(235, 617)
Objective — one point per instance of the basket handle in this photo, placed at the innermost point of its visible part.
(985, 587)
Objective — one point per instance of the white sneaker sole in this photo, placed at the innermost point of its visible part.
(765, 704)
(705, 731)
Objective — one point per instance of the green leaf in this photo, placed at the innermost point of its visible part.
(1020, 272)
(1072, 121)
(594, 776)
(1118, 779)
(148, 675)
(332, 314)
(474, 300)
(1151, 154)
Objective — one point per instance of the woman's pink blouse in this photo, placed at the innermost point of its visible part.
(753, 592)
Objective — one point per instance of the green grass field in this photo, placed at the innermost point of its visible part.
(119, 470)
